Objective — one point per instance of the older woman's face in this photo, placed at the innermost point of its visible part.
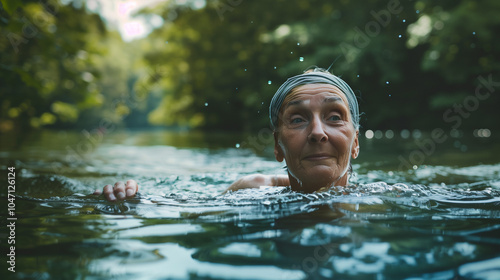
(316, 137)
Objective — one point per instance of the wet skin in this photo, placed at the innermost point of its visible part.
(316, 137)
(119, 191)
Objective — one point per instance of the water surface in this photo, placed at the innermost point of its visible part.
(437, 219)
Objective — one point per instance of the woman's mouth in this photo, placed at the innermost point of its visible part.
(318, 157)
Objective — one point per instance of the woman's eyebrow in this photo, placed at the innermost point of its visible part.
(333, 99)
(294, 103)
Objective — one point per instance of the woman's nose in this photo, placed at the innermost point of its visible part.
(317, 133)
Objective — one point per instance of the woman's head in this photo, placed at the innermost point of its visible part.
(313, 76)
(315, 118)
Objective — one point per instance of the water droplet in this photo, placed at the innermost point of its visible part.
(206, 104)
(399, 36)
(369, 134)
(486, 133)
(474, 33)
(416, 133)
(269, 82)
(405, 133)
(298, 44)
(357, 76)
(245, 69)
(301, 59)
(237, 145)
(262, 103)
(417, 11)
(389, 95)
(404, 20)
(389, 134)
(274, 67)
(386, 82)
(415, 167)
(291, 52)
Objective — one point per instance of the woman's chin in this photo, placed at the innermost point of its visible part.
(318, 177)
(323, 172)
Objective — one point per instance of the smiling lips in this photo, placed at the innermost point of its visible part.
(318, 157)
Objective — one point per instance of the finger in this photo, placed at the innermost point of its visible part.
(108, 193)
(131, 188)
(119, 190)
(97, 192)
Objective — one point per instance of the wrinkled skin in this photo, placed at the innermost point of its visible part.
(316, 137)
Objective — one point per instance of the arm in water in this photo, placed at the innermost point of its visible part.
(257, 180)
(119, 191)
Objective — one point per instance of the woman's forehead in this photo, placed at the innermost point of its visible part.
(308, 91)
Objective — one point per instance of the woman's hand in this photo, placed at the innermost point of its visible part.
(257, 180)
(119, 191)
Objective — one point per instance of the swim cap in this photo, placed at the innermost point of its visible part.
(317, 76)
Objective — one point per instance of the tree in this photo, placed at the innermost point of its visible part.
(48, 54)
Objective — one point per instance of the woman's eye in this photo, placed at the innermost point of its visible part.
(334, 118)
(296, 120)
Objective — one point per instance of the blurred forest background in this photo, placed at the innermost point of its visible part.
(215, 64)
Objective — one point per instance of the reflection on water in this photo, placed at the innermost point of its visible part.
(437, 221)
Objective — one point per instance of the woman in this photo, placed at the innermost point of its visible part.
(315, 119)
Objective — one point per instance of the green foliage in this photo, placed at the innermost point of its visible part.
(408, 61)
(10, 6)
(47, 63)
(217, 66)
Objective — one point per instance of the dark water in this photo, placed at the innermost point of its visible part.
(419, 210)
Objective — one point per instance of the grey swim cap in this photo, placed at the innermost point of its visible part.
(318, 76)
